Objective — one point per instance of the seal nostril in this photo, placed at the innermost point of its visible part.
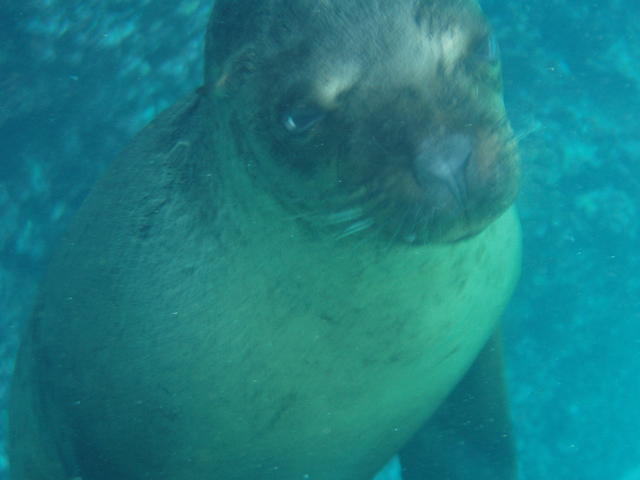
(444, 159)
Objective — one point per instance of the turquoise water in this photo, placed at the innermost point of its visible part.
(82, 77)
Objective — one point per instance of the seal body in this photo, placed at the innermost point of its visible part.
(286, 273)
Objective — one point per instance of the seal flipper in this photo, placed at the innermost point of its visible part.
(469, 437)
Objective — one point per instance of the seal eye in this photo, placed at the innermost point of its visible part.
(488, 49)
(302, 119)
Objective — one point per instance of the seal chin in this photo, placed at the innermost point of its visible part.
(460, 233)
(437, 231)
(451, 214)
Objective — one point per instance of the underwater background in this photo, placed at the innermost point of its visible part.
(80, 77)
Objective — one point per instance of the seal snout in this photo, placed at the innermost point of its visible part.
(442, 161)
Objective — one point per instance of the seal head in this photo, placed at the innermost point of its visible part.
(398, 130)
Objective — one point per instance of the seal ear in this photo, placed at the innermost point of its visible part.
(232, 73)
(235, 30)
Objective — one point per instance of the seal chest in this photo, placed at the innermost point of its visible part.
(286, 273)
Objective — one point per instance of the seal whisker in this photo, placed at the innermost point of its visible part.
(398, 230)
(414, 228)
(535, 127)
(356, 227)
(344, 215)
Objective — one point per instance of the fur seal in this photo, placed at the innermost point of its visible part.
(286, 273)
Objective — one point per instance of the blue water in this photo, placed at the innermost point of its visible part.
(80, 77)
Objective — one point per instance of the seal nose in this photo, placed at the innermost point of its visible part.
(443, 159)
